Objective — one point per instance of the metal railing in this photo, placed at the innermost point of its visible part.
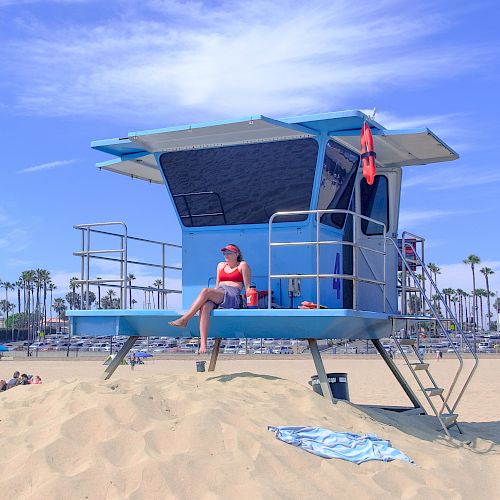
(87, 254)
(441, 322)
(408, 240)
(355, 278)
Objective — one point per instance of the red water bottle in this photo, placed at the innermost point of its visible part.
(252, 298)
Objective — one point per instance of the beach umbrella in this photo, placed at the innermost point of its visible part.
(143, 355)
(4, 348)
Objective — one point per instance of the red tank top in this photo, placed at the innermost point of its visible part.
(235, 275)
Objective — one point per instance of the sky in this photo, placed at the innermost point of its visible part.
(73, 71)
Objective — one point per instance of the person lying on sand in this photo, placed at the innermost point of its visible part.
(15, 380)
(233, 275)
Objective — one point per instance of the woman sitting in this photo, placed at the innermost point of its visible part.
(233, 275)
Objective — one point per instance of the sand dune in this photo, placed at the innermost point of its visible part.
(205, 436)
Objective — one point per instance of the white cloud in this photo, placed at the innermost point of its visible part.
(47, 166)
(237, 58)
(417, 217)
(442, 178)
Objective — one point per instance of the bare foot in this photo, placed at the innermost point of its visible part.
(179, 323)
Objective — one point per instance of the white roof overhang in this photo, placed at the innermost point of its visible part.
(248, 131)
(398, 148)
(136, 166)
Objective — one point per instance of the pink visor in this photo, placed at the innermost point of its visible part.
(231, 248)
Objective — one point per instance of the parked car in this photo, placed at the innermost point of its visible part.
(283, 350)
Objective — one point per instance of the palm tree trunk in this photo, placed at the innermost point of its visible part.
(474, 297)
(482, 317)
(489, 302)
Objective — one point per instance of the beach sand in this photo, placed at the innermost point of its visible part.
(165, 431)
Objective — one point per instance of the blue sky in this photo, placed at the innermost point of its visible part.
(73, 71)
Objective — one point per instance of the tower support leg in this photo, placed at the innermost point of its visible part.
(397, 374)
(320, 370)
(120, 355)
(215, 354)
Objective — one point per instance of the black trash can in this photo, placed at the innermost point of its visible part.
(338, 385)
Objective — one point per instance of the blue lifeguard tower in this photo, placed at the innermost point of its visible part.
(291, 194)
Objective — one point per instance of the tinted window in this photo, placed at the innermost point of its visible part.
(337, 182)
(375, 204)
(241, 184)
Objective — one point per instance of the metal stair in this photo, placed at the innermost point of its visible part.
(441, 400)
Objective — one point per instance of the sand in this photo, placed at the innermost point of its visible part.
(165, 431)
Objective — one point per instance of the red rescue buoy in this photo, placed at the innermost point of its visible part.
(368, 154)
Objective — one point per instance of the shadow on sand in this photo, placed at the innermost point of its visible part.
(479, 437)
(232, 376)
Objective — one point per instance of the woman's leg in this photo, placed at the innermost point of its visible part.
(205, 311)
(216, 295)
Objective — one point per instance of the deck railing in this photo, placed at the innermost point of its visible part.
(121, 257)
(354, 277)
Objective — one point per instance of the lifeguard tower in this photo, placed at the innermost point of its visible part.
(291, 194)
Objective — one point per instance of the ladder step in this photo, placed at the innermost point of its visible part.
(448, 418)
(434, 391)
(407, 341)
(420, 366)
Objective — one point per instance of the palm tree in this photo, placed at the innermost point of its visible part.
(51, 287)
(7, 286)
(6, 307)
(481, 292)
(60, 307)
(158, 284)
(131, 277)
(98, 293)
(448, 292)
(45, 283)
(435, 270)
(486, 272)
(28, 278)
(73, 285)
(472, 260)
(19, 286)
(108, 300)
(461, 294)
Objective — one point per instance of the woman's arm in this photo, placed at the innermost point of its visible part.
(247, 274)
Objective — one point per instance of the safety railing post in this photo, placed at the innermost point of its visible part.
(125, 269)
(163, 296)
(82, 273)
(354, 263)
(270, 238)
(87, 291)
(318, 299)
(122, 277)
(385, 272)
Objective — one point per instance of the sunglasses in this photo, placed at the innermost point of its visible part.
(228, 252)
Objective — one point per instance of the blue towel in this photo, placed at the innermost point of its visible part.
(345, 445)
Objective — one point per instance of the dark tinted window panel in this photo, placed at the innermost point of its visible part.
(241, 184)
(375, 204)
(337, 182)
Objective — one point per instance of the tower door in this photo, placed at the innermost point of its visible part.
(380, 202)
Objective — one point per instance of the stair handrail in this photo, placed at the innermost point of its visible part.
(458, 327)
(442, 326)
